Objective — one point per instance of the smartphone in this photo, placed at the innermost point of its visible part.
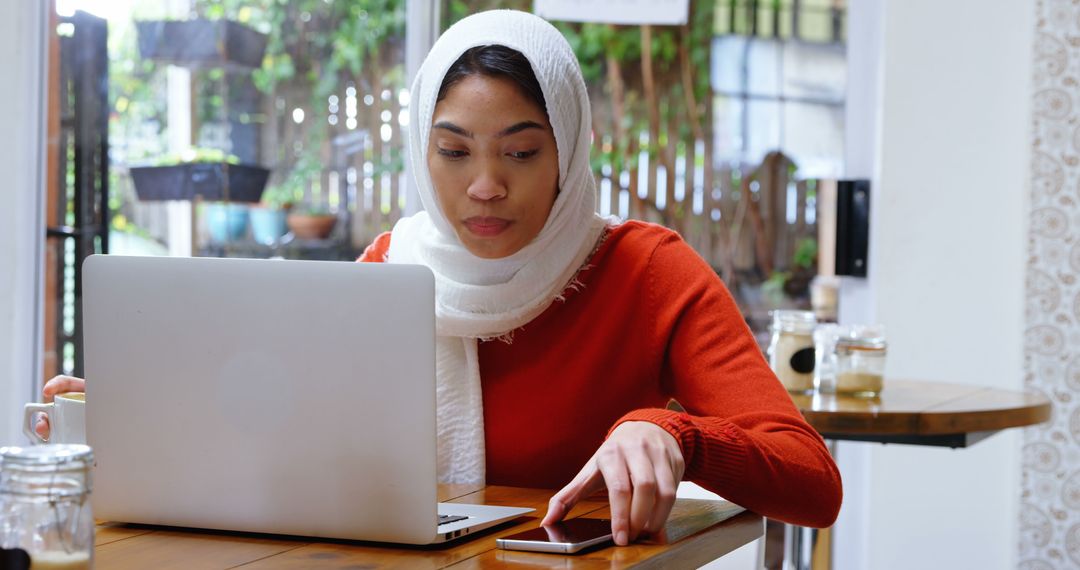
(567, 536)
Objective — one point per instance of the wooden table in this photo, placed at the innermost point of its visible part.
(697, 531)
(909, 412)
(923, 413)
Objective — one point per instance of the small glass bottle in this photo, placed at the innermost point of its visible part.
(45, 504)
(825, 337)
(791, 350)
(860, 361)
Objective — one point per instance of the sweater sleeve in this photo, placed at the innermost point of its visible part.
(741, 435)
(378, 250)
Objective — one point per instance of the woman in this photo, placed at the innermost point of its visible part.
(563, 335)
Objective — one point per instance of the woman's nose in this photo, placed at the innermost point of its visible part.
(487, 185)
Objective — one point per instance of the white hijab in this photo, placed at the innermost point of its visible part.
(480, 298)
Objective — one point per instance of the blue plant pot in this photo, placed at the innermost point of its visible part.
(267, 225)
(226, 222)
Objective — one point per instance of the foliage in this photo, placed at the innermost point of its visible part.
(315, 49)
(135, 93)
(596, 44)
(454, 10)
(794, 282)
(312, 210)
(806, 252)
(316, 46)
(290, 190)
(138, 112)
(196, 154)
(773, 286)
(279, 195)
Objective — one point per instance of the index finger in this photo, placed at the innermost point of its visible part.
(42, 426)
(585, 483)
(60, 385)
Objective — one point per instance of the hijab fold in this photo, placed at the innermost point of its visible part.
(479, 298)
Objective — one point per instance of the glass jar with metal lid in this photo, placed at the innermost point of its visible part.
(860, 361)
(791, 349)
(45, 504)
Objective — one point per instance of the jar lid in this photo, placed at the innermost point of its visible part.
(861, 337)
(803, 321)
(861, 344)
(74, 456)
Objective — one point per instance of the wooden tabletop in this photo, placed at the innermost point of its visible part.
(697, 531)
(921, 412)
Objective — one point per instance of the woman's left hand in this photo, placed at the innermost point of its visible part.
(641, 464)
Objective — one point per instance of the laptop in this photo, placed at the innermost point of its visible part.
(270, 396)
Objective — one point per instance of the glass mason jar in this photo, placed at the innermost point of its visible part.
(45, 504)
(824, 297)
(791, 349)
(860, 361)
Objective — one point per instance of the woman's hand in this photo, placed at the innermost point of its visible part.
(641, 464)
(58, 385)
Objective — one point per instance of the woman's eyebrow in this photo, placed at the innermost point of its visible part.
(513, 129)
(524, 125)
(448, 126)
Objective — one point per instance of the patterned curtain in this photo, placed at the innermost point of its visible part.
(1050, 502)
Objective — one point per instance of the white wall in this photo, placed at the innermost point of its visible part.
(22, 53)
(862, 124)
(949, 168)
(422, 19)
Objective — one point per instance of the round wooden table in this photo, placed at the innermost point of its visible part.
(910, 412)
(923, 413)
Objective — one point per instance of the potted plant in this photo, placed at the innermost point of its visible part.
(794, 283)
(201, 42)
(225, 221)
(209, 173)
(311, 222)
(268, 217)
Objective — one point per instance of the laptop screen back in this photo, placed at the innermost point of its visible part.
(291, 397)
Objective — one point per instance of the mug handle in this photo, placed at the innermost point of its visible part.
(28, 416)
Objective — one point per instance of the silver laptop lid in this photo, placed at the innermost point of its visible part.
(293, 397)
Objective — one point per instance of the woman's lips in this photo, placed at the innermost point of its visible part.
(484, 226)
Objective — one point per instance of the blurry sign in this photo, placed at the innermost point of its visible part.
(661, 12)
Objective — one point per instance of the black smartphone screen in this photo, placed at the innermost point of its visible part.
(570, 531)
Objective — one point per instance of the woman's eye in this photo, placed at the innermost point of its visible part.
(449, 153)
(524, 154)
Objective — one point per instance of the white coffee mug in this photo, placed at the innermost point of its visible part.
(67, 419)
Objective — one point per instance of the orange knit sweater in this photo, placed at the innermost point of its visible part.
(650, 321)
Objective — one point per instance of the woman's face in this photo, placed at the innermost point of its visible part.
(494, 164)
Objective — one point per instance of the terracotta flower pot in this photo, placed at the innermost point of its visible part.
(311, 226)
